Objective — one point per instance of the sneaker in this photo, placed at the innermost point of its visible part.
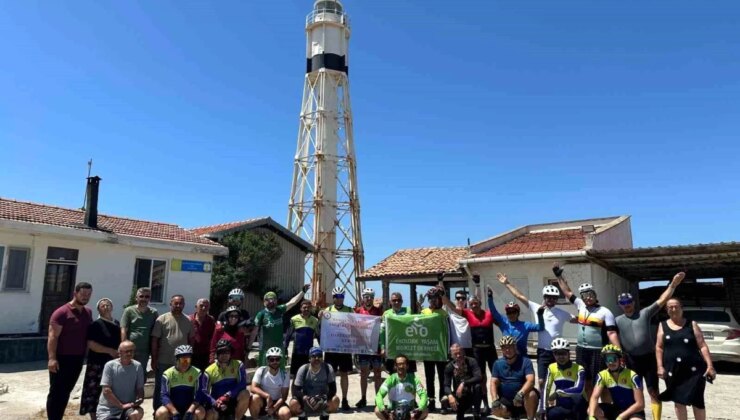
(432, 406)
(445, 408)
(361, 404)
(345, 405)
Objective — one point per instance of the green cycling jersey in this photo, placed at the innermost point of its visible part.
(399, 389)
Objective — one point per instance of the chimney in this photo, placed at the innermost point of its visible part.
(91, 205)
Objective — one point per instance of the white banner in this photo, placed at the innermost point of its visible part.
(343, 332)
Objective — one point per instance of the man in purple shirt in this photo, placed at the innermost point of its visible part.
(66, 348)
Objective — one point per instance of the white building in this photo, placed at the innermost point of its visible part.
(46, 250)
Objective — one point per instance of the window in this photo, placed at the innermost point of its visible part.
(14, 267)
(151, 273)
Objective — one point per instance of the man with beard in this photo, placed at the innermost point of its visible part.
(66, 347)
(396, 308)
(463, 383)
(269, 389)
(367, 362)
(170, 331)
(304, 329)
(136, 325)
(402, 386)
(512, 383)
(269, 323)
(314, 388)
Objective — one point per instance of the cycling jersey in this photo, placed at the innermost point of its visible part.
(636, 333)
(399, 389)
(570, 379)
(595, 321)
(302, 331)
(621, 389)
(219, 381)
(519, 329)
(481, 328)
(333, 308)
(181, 388)
(555, 320)
(270, 324)
(372, 311)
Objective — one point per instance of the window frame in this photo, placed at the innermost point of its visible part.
(5, 266)
(151, 270)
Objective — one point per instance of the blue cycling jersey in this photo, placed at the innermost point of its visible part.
(519, 329)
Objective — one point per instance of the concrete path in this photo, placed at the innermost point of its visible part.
(28, 384)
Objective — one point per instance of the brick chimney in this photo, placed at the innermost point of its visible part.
(91, 205)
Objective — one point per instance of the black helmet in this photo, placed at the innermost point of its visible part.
(223, 346)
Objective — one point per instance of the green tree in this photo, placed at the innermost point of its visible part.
(251, 253)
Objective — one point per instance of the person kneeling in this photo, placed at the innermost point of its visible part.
(314, 388)
(564, 385)
(512, 383)
(270, 386)
(180, 386)
(463, 373)
(224, 391)
(402, 389)
(624, 386)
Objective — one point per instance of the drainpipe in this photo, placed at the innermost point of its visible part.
(520, 257)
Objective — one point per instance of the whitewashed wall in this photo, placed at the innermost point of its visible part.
(108, 267)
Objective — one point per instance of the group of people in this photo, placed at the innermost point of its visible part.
(200, 361)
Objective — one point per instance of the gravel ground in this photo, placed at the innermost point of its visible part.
(28, 384)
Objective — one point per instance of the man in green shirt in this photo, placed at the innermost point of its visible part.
(269, 323)
(402, 386)
(137, 322)
(396, 308)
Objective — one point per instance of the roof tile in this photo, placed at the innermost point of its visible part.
(420, 261)
(536, 242)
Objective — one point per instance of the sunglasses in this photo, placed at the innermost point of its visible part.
(233, 316)
(396, 300)
(610, 358)
(338, 296)
(316, 356)
(561, 353)
(144, 296)
(459, 297)
(273, 359)
(625, 302)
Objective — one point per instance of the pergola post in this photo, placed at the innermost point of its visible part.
(412, 304)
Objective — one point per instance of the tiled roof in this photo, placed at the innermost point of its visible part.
(205, 230)
(57, 216)
(536, 242)
(420, 261)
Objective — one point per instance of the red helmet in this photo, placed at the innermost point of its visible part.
(512, 307)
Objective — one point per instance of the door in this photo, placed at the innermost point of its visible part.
(59, 282)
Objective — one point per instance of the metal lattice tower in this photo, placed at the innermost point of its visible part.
(324, 205)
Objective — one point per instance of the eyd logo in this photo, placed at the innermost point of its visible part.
(416, 329)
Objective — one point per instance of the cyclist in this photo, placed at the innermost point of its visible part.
(463, 383)
(434, 295)
(270, 386)
(402, 386)
(225, 386)
(231, 332)
(314, 388)
(564, 385)
(597, 327)
(304, 329)
(396, 308)
(555, 320)
(269, 322)
(236, 298)
(367, 362)
(512, 383)
(638, 339)
(340, 362)
(624, 387)
(181, 384)
(511, 325)
(481, 329)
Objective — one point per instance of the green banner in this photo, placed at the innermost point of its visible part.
(420, 337)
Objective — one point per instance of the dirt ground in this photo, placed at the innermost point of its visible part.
(28, 384)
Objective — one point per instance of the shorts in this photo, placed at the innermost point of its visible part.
(515, 411)
(645, 366)
(296, 361)
(611, 411)
(340, 362)
(390, 366)
(544, 359)
(365, 360)
(591, 361)
(303, 407)
(485, 355)
(122, 415)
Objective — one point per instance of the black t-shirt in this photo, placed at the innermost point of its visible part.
(106, 334)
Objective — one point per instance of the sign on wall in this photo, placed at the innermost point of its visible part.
(191, 266)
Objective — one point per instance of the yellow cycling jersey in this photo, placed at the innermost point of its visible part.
(569, 379)
(621, 388)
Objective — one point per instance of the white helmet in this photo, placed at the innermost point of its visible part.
(274, 351)
(337, 291)
(237, 293)
(184, 350)
(560, 344)
(550, 290)
(368, 292)
(585, 287)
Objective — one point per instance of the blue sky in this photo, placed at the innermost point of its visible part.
(471, 117)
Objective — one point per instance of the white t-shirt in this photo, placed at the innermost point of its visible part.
(460, 331)
(555, 320)
(272, 384)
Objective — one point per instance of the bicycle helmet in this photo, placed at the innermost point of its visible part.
(183, 350)
(274, 352)
(233, 308)
(585, 287)
(237, 293)
(550, 290)
(223, 346)
(512, 306)
(560, 344)
(368, 292)
(625, 299)
(337, 291)
(506, 340)
(435, 292)
(611, 349)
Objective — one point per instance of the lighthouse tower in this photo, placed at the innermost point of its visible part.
(324, 206)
